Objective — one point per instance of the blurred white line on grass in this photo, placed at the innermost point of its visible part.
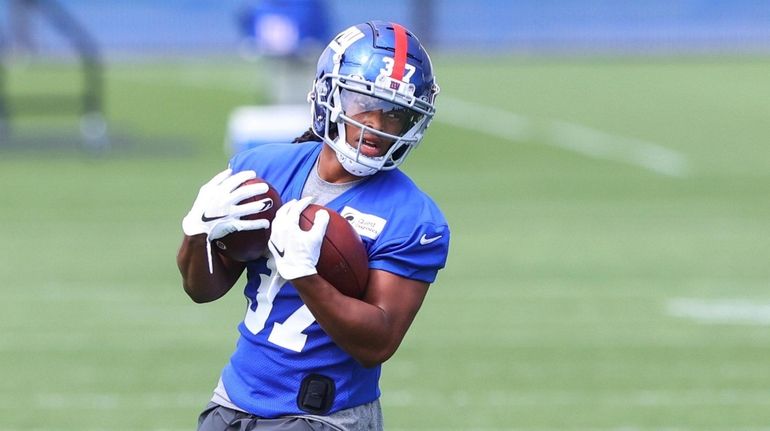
(561, 134)
(727, 311)
(113, 401)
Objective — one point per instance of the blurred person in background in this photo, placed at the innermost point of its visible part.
(285, 36)
(309, 357)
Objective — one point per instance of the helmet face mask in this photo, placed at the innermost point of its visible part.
(375, 70)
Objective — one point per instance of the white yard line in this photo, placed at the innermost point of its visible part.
(603, 145)
(106, 400)
(561, 134)
(523, 399)
(395, 399)
(629, 427)
(409, 398)
(485, 119)
(79, 428)
(725, 311)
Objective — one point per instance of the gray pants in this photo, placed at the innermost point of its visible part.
(219, 418)
(366, 417)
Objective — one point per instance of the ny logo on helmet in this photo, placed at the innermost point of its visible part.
(345, 39)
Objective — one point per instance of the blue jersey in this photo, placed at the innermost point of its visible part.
(280, 342)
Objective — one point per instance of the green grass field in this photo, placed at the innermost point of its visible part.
(585, 289)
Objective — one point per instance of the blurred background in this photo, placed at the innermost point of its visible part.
(604, 166)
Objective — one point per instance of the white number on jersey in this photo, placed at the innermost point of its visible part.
(287, 334)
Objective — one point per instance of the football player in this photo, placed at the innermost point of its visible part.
(309, 357)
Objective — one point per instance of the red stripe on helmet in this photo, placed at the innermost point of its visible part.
(399, 56)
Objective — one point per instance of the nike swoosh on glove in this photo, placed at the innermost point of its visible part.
(216, 211)
(296, 251)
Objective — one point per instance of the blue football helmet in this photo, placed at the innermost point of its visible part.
(371, 67)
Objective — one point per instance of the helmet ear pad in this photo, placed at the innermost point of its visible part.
(318, 97)
(321, 90)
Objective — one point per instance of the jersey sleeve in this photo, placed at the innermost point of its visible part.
(245, 160)
(418, 256)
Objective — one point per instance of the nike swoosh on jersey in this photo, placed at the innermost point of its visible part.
(424, 240)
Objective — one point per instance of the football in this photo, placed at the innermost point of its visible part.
(343, 261)
(249, 245)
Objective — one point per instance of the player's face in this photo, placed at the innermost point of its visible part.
(376, 114)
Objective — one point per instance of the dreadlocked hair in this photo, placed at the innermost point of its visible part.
(308, 136)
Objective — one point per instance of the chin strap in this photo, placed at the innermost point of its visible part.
(353, 167)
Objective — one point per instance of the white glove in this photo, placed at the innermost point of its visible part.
(216, 212)
(296, 251)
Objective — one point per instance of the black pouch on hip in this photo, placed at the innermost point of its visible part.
(316, 394)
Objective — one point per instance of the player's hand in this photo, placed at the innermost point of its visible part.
(216, 212)
(296, 251)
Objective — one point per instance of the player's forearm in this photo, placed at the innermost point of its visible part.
(363, 330)
(199, 283)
